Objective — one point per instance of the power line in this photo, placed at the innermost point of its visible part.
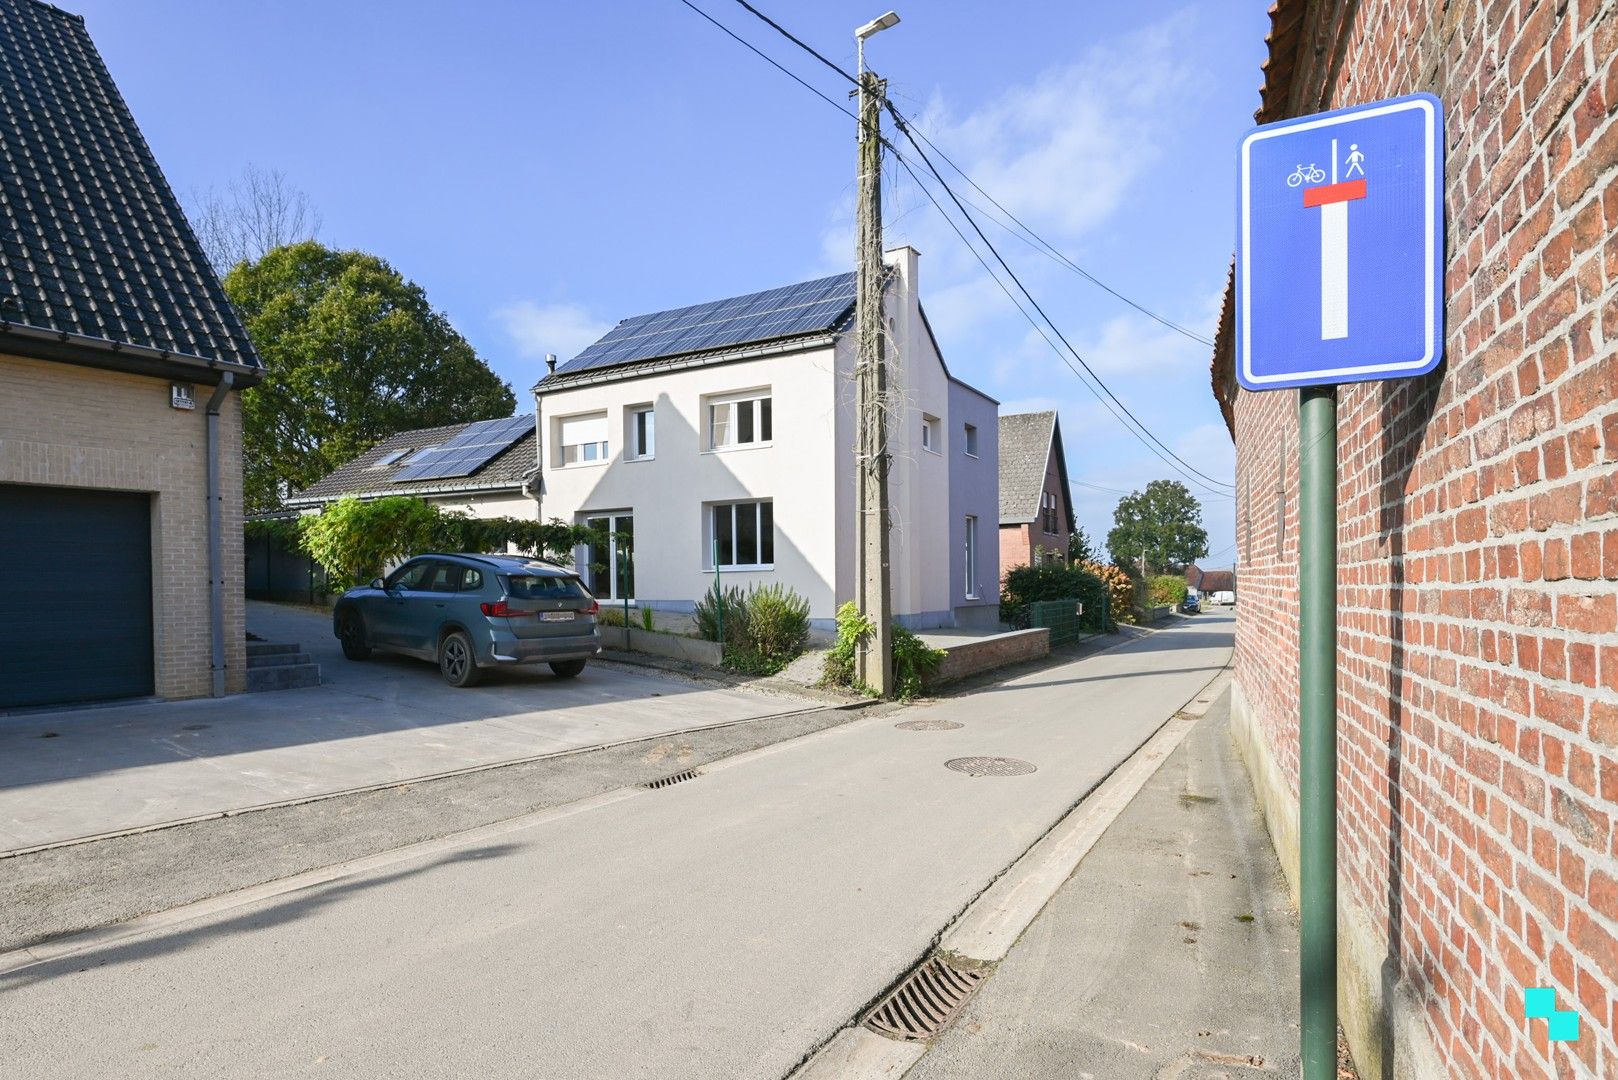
(1036, 241)
(904, 129)
(1132, 423)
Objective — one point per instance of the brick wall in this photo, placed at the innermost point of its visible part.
(70, 426)
(1478, 585)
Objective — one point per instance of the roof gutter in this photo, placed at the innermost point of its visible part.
(216, 539)
(39, 343)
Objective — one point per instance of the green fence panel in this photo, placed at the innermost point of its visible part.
(1060, 617)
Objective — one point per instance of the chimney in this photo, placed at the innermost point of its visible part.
(550, 362)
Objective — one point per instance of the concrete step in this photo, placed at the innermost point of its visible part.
(271, 660)
(270, 648)
(282, 677)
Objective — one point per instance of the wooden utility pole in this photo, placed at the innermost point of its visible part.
(873, 577)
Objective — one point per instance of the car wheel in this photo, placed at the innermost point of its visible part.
(567, 669)
(352, 635)
(456, 660)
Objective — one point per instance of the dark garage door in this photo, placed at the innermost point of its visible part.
(75, 595)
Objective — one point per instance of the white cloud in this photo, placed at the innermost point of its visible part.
(536, 329)
(1132, 344)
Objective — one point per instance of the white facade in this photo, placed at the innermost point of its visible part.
(775, 425)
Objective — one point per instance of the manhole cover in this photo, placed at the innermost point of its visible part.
(928, 725)
(919, 1007)
(990, 766)
(670, 781)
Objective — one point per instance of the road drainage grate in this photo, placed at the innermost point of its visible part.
(928, 725)
(990, 766)
(670, 781)
(921, 1005)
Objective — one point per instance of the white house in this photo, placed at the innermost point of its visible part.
(725, 432)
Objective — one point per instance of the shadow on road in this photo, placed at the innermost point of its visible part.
(290, 909)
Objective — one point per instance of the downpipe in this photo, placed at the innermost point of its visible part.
(216, 540)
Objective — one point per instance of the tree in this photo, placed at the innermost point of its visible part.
(1080, 549)
(1164, 523)
(255, 214)
(353, 353)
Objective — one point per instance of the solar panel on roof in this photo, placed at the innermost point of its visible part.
(473, 447)
(804, 308)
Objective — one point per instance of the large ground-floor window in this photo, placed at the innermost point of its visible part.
(609, 563)
(741, 535)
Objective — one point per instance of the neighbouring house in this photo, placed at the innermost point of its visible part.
(120, 425)
(1209, 582)
(1036, 514)
(487, 468)
(722, 437)
(1477, 600)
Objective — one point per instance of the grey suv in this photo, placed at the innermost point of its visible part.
(470, 612)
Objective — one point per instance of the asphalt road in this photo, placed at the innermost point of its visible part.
(722, 927)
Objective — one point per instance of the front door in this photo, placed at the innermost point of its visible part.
(609, 564)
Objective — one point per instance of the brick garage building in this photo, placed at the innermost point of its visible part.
(1478, 539)
(120, 582)
(1036, 514)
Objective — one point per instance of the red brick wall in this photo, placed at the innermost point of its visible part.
(1016, 549)
(1478, 586)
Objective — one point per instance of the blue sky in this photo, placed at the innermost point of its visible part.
(543, 170)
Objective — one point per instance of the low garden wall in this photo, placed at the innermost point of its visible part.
(971, 657)
(677, 646)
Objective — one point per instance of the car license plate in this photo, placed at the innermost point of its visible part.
(557, 616)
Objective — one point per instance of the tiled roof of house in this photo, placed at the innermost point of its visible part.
(1026, 442)
(365, 477)
(1212, 581)
(92, 240)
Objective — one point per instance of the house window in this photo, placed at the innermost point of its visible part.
(971, 440)
(608, 562)
(641, 434)
(1048, 501)
(583, 439)
(740, 420)
(929, 433)
(971, 557)
(741, 535)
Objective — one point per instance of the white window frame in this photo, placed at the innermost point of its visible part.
(971, 557)
(632, 448)
(732, 404)
(930, 436)
(969, 440)
(736, 507)
(602, 448)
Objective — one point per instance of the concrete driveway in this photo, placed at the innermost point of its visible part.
(89, 772)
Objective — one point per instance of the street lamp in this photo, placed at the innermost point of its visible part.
(875, 26)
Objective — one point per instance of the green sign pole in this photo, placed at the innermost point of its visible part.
(1317, 731)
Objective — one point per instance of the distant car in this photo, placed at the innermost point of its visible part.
(471, 612)
(1225, 597)
(1190, 605)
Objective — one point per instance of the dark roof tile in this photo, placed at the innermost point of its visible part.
(95, 242)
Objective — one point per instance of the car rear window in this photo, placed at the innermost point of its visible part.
(524, 587)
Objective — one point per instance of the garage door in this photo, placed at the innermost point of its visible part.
(75, 595)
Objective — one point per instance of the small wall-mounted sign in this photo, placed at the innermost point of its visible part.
(182, 396)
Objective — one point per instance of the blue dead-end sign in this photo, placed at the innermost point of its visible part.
(1340, 246)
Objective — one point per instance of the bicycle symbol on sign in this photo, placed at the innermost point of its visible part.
(1301, 175)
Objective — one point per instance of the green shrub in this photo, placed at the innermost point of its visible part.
(610, 616)
(354, 540)
(777, 627)
(1166, 590)
(1024, 585)
(852, 629)
(647, 621)
(715, 609)
(913, 659)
